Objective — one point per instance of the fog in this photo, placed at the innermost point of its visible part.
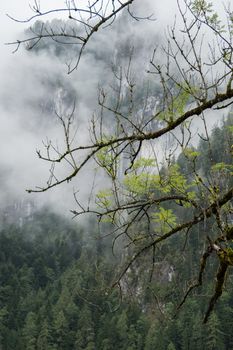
(28, 100)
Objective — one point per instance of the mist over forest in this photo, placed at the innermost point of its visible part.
(128, 244)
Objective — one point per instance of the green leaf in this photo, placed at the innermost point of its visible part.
(141, 183)
(103, 198)
(165, 218)
(190, 153)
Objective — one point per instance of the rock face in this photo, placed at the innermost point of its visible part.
(163, 272)
(18, 212)
(134, 284)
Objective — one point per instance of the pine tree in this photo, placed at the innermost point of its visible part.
(197, 333)
(171, 346)
(44, 340)
(85, 334)
(154, 338)
(61, 329)
(213, 334)
(122, 330)
(30, 331)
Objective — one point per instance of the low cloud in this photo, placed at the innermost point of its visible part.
(30, 87)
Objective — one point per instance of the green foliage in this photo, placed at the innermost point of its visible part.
(103, 198)
(202, 6)
(165, 219)
(143, 163)
(171, 346)
(141, 184)
(204, 9)
(177, 106)
(175, 180)
(30, 331)
(69, 310)
(146, 182)
(222, 168)
(107, 160)
(213, 334)
(191, 153)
